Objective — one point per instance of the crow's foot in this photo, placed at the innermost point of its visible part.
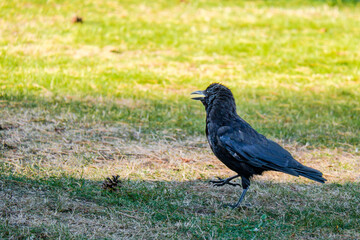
(233, 206)
(222, 182)
(240, 199)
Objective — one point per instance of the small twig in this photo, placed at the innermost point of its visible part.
(130, 216)
(98, 152)
(10, 180)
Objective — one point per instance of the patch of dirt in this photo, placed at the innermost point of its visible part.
(66, 143)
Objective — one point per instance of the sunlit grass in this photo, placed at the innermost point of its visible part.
(81, 102)
(294, 71)
(52, 170)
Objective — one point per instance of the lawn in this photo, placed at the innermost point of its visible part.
(80, 102)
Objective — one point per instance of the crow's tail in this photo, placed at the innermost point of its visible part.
(310, 173)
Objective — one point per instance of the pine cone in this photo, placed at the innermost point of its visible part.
(111, 184)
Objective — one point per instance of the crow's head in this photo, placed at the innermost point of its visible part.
(215, 94)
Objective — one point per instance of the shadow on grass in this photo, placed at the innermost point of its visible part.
(190, 209)
(300, 118)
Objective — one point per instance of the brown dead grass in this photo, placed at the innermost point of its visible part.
(101, 149)
(93, 151)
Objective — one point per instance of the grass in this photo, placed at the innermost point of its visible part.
(284, 65)
(82, 102)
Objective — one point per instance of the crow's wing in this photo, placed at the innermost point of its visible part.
(257, 151)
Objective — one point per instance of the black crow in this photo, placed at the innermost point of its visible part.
(240, 147)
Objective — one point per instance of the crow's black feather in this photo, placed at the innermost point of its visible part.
(239, 146)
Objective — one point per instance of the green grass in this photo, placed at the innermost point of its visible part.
(294, 70)
(178, 210)
(52, 168)
(81, 102)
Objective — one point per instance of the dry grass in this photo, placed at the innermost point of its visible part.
(37, 146)
(116, 102)
(105, 148)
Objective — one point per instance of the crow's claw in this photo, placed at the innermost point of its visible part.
(222, 182)
(228, 205)
(233, 206)
(234, 184)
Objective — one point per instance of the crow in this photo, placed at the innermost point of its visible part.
(240, 147)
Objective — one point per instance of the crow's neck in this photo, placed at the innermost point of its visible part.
(222, 110)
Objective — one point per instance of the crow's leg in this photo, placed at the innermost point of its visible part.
(245, 182)
(222, 182)
(240, 199)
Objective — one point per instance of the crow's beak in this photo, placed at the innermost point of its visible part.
(200, 93)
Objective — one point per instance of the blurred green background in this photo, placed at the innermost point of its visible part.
(293, 66)
(80, 102)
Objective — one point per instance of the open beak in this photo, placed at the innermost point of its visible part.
(199, 93)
